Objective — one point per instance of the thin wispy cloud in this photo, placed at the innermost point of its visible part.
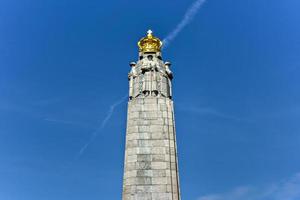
(107, 117)
(34, 110)
(187, 18)
(67, 122)
(27, 107)
(58, 121)
(288, 189)
(208, 111)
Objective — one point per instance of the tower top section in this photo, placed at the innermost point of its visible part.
(150, 43)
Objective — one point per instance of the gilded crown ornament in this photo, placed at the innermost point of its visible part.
(150, 43)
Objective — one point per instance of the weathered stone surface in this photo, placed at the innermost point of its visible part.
(150, 170)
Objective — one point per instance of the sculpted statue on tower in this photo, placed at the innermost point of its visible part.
(150, 76)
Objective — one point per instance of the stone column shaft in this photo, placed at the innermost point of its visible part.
(150, 157)
(151, 167)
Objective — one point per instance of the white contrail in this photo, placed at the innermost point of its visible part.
(187, 18)
(102, 125)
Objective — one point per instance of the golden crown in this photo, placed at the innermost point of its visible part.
(150, 43)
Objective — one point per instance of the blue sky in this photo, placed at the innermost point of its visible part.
(64, 64)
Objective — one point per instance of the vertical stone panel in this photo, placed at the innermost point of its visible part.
(150, 170)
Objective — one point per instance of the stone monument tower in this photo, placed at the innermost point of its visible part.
(151, 167)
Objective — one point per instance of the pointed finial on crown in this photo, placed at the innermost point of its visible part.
(150, 43)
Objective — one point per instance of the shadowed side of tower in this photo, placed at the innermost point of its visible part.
(151, 167)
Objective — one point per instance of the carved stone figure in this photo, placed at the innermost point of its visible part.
(169, 72)
(131, 75)
(170, 77)
(149, 71)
